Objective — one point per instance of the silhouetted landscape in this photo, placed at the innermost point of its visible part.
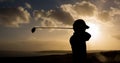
(57, 57)
(59, 31)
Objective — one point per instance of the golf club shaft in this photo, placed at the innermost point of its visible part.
(53, 27)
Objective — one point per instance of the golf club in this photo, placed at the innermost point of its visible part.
(36, 27)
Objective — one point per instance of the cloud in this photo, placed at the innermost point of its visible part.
(116, 16)
(12, 17)
(104, 16)
(42, 16)
(66, 13)
(56, 16)
(111, 15)
(85, 8)
(117, 36)
(28, 5)
(80, 9)
(117, 2)
(62, 16)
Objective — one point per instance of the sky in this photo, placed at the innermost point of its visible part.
(17, 17)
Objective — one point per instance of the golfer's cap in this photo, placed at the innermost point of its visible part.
(80, 23)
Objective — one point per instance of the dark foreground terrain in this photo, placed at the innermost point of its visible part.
(93, 57)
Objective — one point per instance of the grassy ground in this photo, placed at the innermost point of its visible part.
(96, 57)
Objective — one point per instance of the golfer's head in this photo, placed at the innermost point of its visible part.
(79, 25)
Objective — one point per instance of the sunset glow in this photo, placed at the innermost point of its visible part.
(94, 30)
(18, 17)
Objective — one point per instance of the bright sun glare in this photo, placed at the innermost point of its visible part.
(93, 30)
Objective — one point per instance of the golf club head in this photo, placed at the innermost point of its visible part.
(33, 29)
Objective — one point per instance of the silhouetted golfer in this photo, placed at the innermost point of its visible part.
(78, 41)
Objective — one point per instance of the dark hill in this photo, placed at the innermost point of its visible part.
(95, 57)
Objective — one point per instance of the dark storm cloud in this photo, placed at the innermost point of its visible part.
(13, 16)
